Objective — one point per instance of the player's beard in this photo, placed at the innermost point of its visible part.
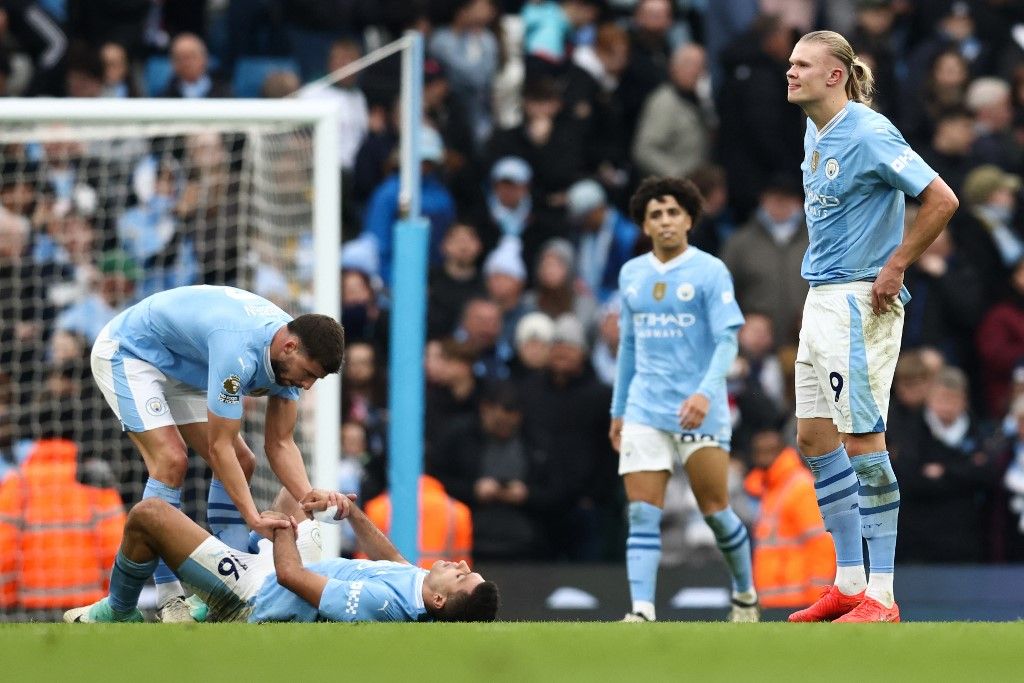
(278, 368)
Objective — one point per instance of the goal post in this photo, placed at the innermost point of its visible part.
(23, 121)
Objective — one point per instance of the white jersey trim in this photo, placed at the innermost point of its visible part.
(828, 127)
(662, 268)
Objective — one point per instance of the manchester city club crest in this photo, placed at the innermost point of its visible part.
(156, 407)
(659, 290)
(815, 158)
(831, 169)
(686, 292)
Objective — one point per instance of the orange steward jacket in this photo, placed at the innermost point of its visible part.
(58, 537)
(446, 526)
(794, 559)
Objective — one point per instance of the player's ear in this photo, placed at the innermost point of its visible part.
(438, 600)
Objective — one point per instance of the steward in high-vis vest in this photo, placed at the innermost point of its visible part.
(794, 560)
(446, 526)
(58, 537)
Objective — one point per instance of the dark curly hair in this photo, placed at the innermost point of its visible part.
(684, 191)
(322, 338)
(479, 605)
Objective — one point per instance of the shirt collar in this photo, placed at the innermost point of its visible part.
(828, 127)
(688, 254)
(418, 598)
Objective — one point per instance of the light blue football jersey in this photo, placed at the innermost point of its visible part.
(216, 339)
(856, 170)
(672, 313)
(357, 590)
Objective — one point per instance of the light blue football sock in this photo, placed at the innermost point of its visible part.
(835, 484)
(643, 550)
(126, 581)
(254, 543)
(879, 509)
(734, 542)
(224, 519)
(158, 489)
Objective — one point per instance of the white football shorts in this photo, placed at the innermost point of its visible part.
(141, 396)
(227, 580)
(847, 357)
(648, 449)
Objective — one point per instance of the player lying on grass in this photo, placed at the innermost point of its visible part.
(274, 585)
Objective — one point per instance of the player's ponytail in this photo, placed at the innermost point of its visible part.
(860, 86)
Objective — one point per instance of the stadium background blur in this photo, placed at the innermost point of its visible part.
(546, 117)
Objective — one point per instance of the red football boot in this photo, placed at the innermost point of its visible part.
(831, 605)
(871, 611)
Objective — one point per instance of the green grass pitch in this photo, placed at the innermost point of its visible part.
(522, 652)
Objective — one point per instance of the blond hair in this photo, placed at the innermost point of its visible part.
(860, 86)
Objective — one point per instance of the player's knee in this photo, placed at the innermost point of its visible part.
(709, 504)
(145, 513)
(171, 468)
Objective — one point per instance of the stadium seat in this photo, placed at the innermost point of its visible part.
(157, 74)
(250, 72)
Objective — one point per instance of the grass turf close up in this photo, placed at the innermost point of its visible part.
(512, 652)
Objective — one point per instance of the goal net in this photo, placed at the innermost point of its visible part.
(102, 209)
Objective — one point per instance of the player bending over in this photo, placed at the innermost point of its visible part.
(275, 585)
(678, 329)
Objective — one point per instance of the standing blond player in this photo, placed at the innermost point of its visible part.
(857, 170)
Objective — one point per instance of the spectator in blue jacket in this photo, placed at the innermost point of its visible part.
(606, 237)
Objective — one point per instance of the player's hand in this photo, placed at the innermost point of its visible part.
(269, 522)
(516, 492)
(486, 489)
(886, 289)
(693, 411)
(615, 433)
(320, 500)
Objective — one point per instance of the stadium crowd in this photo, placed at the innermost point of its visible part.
(542, 117)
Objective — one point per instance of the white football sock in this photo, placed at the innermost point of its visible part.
(851, 580)
(645, 608)
(880, 588)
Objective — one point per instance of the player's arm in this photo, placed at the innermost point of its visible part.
(372, 540)
(695, 408)
(625, 367)
(938, 204)
(224, 463)
(291, 574)
(279, 444)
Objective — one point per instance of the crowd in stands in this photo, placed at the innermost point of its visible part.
(541, 117)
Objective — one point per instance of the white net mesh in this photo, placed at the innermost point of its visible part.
(96, 217)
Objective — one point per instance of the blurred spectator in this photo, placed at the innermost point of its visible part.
(949, 152)
(350, 100)
(48, 520)
(606, 346)
(534, 334)
(944, 88)
(510, 207)
(280, 84)
(362, 315)
(948, 303)
(758, 366)
(84, 74)
(436, 204)
(192, 78)
(446, 527)
(606, 238)
(874, 39)
(552, 29)
(555, 290)
(673, 135)
(40, 35)
(649, 52)
(1013, 481)
(313, 26)
(567, 408)
(150, 231)
(364, 394)
(118, 81)
(1000, 343)
(469, 52)
(490, 463)
(945, 477)
(761, 133)
(120, 21)
(456, 394)
(765, 257)
(550, 140)
(912, 382)
(717, 223)
(455, 281)
(480, 328)
(113, 291)
(989, 99)
(593, 86)
(984, 232)
(504, 280)
(724, 21)
(794, 560)
(955, 30)
(443, 110)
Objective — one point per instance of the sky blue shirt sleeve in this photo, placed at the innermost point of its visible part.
(725, 320)
(358, 601)
(896, 163)
(228, 373)
(625, 362)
